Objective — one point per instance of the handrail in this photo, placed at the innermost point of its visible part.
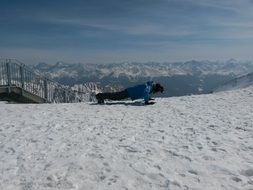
(14, 73)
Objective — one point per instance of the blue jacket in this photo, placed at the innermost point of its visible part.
(141, 91)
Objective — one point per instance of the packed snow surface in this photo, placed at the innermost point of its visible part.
(194, 142)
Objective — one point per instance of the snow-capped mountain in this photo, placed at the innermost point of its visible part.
(237, 83)
(86, 92)
(179, 78)
(141, 70)
(200, 142)
(88, 87)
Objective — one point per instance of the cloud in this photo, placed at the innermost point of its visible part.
(105, 30)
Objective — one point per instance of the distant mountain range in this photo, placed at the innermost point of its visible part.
(179, 78)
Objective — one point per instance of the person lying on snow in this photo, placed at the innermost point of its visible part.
(137, 92)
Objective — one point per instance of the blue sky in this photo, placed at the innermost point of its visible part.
(105, 31)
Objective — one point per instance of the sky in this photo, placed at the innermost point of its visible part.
(106, 31)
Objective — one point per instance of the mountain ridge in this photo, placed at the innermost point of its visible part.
(178, 78)
(152, 69)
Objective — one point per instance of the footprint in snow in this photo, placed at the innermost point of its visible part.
(248, 172)
(250, 182)
(209, 158)
(113, 179)
(193, 172)
(236, 179)
(107, 167)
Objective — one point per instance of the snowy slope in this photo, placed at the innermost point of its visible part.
(237, 83)
(195, 142)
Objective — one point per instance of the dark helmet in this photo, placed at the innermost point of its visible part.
(158, 88)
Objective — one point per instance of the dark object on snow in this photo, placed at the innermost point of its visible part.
(112, 96)
(137, 92)
(158, 88)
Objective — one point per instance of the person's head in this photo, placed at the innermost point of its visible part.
(157, 88)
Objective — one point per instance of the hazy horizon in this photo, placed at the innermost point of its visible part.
(129, 61)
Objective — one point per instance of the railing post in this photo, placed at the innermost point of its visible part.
(8, 75)
(22, 76)
(65, 95)
(46, 89)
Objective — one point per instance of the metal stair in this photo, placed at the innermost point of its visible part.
(20, 83)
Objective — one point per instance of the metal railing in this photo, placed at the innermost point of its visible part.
(13, 73)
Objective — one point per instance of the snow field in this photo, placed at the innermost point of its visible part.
(191, 142)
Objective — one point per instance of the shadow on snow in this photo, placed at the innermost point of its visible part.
(122, 103)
